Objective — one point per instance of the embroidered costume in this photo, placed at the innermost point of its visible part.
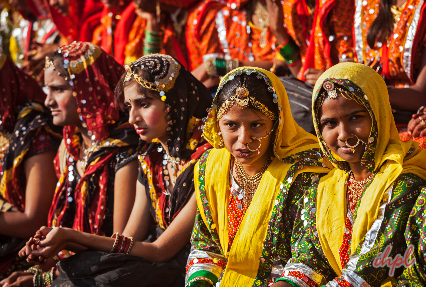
(85, 202)
(187, 100)
(247, 245)
(343, 238)
(26, 130)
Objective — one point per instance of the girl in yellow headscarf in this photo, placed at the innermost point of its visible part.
(249, 186)
(357, 232)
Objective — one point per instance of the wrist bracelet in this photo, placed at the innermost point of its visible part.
(200, 280)
(289, 51)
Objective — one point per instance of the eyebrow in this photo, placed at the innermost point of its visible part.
(55, 86)
(348, 115)
(140, 98)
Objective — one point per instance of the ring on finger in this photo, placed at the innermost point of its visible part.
(422, 122)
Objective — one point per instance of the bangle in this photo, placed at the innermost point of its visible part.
(201, 280)
(114, 246)
(34, 270)
(218, 66)
(130, 246)
(289, 50)
(122, 244)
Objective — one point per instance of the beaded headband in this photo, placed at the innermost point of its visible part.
(49, 63)
(164, 81)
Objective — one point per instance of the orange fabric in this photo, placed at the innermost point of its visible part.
(332, 18)
(421, 140)
(243, 39)
(392, 54)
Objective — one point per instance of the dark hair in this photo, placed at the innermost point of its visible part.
(58, 61)
(257, 89)
(382, 27)
(144, 74)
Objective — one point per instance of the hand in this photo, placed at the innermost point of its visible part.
(312, 75)
(152, 24)
(18, 279)
(200, 73)
(32, 244)
(417, 127)
(276, 16)
(61, 5)
(52, 240)
(35, 63)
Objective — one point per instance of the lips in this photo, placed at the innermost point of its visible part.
(55, 112)
(346, 149)
(141, 131)
(244, 153)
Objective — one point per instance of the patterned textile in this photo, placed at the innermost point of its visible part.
(94, 75)
(331, 41)
(217, 28)
(130, 34)
(188, 101)
(401, 56)
(421, 140)
(258, 250)
(22, 120)
(386, 201)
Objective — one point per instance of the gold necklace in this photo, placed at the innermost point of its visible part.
(5, 139)
(262, 18)
(86, 154)
(249, 183)
(355, 188)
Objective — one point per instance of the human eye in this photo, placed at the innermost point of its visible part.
(144, 105)
(231, 125)
(256, 125)
(355, 117)
(329, 123)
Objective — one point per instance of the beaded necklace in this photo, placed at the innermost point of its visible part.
(247, 182)
(355, 189)
(175, 164)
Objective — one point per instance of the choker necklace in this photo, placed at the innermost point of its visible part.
(355, 189)
(249, 183)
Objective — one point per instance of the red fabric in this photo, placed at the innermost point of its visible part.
(16, 88)
(39, 8)
(122, 32)
(179, 3)
(80, 12)
(93, 89)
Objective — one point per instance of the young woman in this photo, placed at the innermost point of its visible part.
(389, 35)
(250, 185)
(28, 144)
(97, 163)
(356, 219)
(166, 106)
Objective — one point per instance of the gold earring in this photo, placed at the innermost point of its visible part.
(221, 143)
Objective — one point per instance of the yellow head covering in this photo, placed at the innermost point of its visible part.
(292, 144)
(385, 155)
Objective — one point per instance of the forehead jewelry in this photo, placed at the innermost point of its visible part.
(260, 141)
(144, 83)
(353, 147)
(329, 87)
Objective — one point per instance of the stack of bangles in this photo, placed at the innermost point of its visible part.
(41, 279)
(219, 67)
(151, 43)
(122, 244)
(290, 52)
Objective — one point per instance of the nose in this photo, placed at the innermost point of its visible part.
(344, 131)
(244, 135)
(49, 101)
(134, 117)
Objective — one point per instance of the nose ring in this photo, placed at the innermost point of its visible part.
(260, 142)
(353, 147)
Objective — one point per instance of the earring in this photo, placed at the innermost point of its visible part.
(353, 147)
(221, 143)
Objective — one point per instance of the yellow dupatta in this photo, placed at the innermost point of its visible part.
(244, 256)
(390, 162)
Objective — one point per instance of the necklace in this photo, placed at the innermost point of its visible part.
(5, 139)
(86, 155)
(355, 189)
(174, 164)
(262, 18)
(249, 183)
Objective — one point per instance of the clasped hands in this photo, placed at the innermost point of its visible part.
(46, 243)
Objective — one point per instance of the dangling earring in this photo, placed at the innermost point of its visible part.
(221, 143)
(158, 11)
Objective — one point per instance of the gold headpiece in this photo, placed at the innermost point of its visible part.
(48, 63)
(242, 99)
(144, 83)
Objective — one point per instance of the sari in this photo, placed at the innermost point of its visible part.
(26, 130)
(188, 101)
(342, 248)
(262, 243)
(85, 202)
